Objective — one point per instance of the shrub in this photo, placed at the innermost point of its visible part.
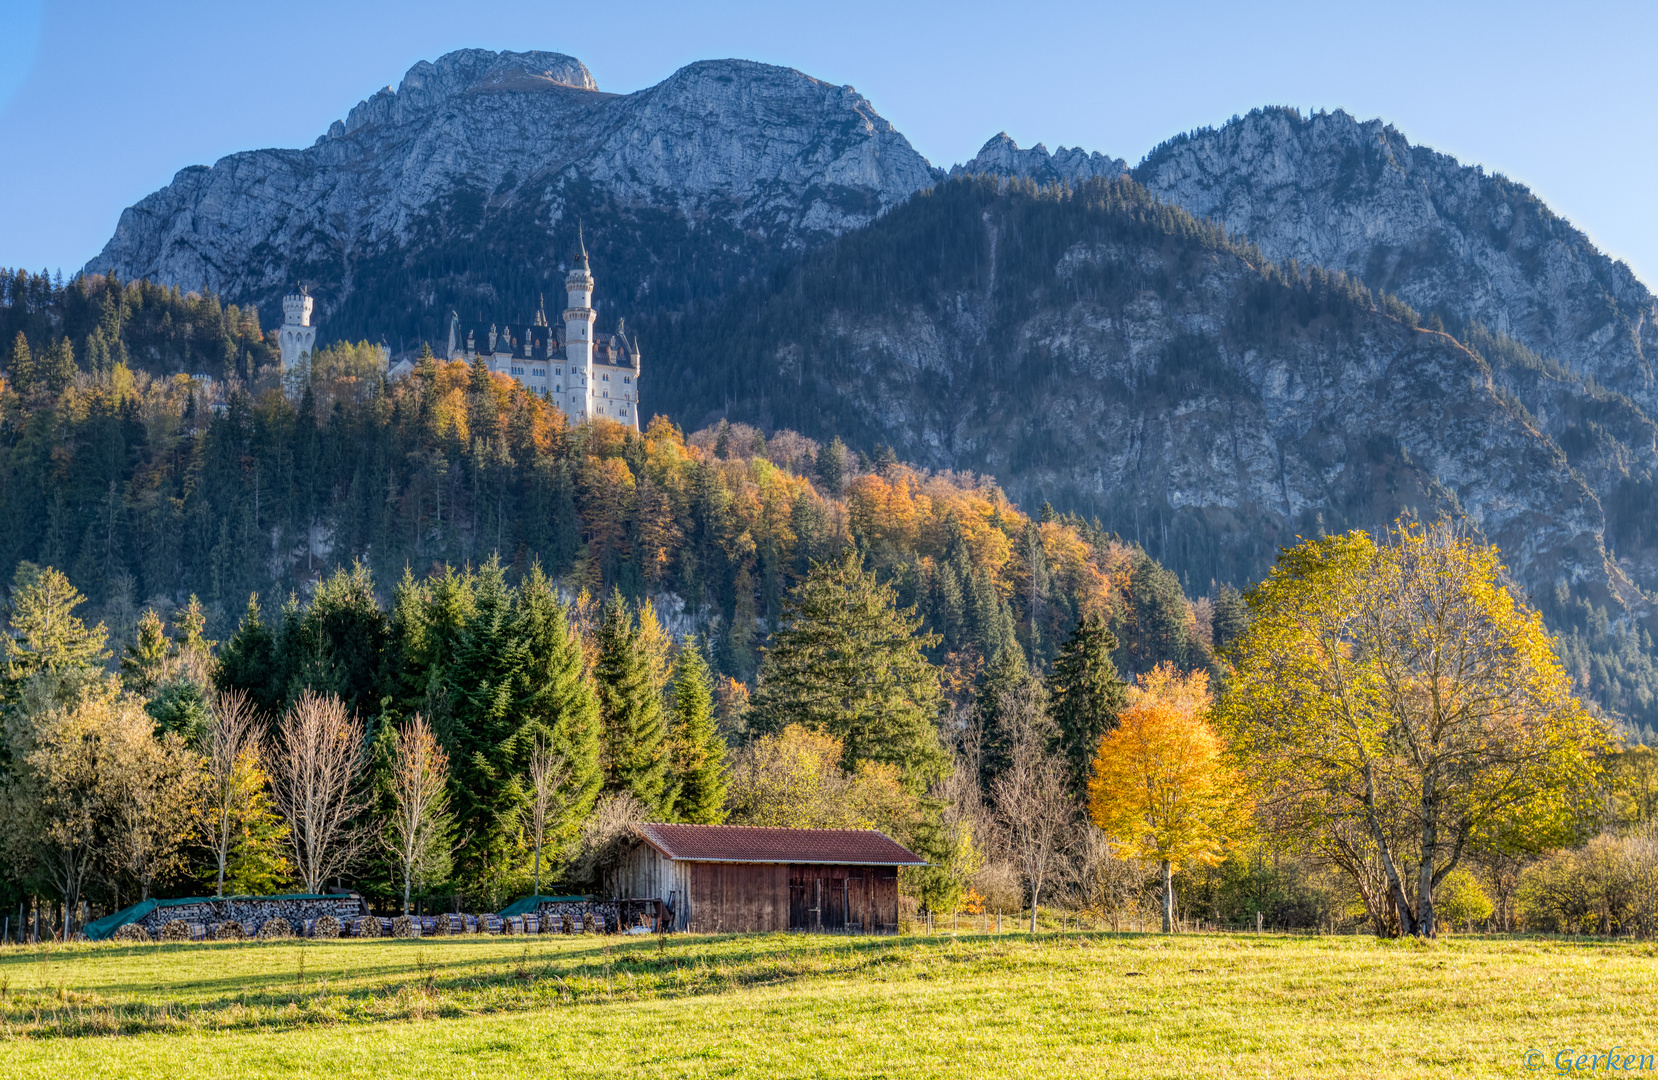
(1461, 900)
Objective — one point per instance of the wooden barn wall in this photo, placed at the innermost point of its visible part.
(645, 874)
(827, 897)
(739, 898)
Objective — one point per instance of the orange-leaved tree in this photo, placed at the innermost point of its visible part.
(1162, 790)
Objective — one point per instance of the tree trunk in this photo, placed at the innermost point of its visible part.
(1033, 893)
(1430, 849)
(1168, 897)
(537, 868)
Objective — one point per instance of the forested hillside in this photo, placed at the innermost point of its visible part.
(1106, 352)
(148, 489)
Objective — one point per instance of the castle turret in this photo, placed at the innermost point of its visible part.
(297, 336)
(579, 315)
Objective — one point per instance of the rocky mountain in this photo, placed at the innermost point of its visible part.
(1449, 239)
(1284, 325)
(463, 187)
(1106, 352)
(1001, 156)
(1570, 334)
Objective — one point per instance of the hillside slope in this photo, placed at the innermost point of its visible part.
(1118, 358)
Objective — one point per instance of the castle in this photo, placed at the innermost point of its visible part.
(297, 335)
(583, 373)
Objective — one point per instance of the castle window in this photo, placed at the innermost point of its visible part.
(607, 378)
(627, 378)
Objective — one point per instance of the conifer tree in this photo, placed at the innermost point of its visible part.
(1087, 694)
(479, 735)
(248, 662)
(145, 660)
(848, 663)
(59, 367)
(44, 635)
(1006, 674)
(634, 755)
(556, 703)
(699, 751)
(22, 366)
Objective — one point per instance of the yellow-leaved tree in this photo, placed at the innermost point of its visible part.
(1162, 789)
(1398, 708)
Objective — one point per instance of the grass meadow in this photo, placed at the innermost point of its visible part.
(963, 1005)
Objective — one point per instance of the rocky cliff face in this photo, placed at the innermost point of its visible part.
(463, 185)
(1447, 238)
(1001, 156)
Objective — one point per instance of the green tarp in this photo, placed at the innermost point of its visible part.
(102, 928)
(528, 904)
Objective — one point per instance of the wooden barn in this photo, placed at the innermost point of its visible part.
(742, 879)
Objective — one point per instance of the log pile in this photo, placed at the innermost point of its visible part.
(131, 932)
(326, 927)
(403, 927)
(253, 911)
(175, 930)
(274, 928)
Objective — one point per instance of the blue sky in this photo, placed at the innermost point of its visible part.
(101, 102)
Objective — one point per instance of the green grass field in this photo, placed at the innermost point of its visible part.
(971, 1005)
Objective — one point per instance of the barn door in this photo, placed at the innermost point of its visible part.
(800, 902)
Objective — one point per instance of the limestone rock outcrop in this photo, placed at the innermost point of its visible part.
(1001, 156)
(487, 160)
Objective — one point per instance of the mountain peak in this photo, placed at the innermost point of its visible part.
(1001, 156)
(429, 84)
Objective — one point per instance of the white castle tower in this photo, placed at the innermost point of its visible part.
(297, 335)
(586, 375)
(579, 318)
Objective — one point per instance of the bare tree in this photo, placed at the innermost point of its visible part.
(1030, 796)
(229, 744)
(548, 775)
(314, 780)
(418, 829)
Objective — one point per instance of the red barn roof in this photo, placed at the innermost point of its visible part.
(752, 843)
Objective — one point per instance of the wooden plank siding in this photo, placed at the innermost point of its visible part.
(718, 897)
(738, 898)
(836, 897)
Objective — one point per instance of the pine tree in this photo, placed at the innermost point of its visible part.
(22, 366)
(848, 663)
(635, 759)
(480, 734)
(188, 625)
(1006, 674)
(832, 465)
(248, 662)
(44, 635)
(1087, 694)
(146, 657)
(699, 751)
(1231, 617)
(59, 368)
(555, 702)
